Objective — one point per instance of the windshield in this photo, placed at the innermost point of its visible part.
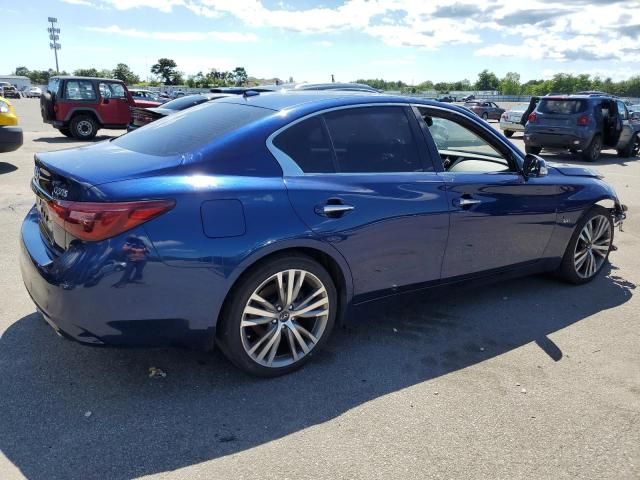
(191, 129)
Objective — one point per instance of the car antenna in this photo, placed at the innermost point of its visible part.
(250, 93)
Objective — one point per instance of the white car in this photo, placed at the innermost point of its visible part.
(34, 92)
(510, 121)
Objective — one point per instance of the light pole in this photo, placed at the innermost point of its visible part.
(54, 36)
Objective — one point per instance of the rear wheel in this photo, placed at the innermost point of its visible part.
(508, 133)
(589, 247)
(66, 132)
(278, 316)
(532, 150)
(592, 152)
(632, 149)
(84, 127)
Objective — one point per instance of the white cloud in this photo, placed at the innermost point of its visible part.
(79, 2)
(176, 36)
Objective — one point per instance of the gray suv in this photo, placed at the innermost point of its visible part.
(585, 123)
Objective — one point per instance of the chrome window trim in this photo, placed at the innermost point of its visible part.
(291, 169)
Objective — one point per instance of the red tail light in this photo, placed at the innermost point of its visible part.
(93, 222)
(583, 120)
(533, 118)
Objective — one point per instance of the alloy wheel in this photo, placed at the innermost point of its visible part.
(592, 246)
(284, 318)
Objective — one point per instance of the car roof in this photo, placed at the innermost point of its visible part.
(74, 77)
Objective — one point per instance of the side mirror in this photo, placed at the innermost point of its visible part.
(534, 166)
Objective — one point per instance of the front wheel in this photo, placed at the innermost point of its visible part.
(632, 149)
(278, 316)
(485, 116)
(589, 247)
(66, 132)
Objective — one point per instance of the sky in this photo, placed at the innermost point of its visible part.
(408, 40)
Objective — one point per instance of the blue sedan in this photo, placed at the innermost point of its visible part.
(254, 222)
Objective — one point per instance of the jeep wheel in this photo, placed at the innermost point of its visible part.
(632, 149)
(84, 127)
(532, 150)
(66, 132)
(592, 152)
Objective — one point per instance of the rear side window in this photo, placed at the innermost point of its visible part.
(53, 85)
(373, 139)
(191, 129)
(79, 90)
(307, 144)
(563, 107)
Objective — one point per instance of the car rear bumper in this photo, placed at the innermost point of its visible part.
(555, 140)
(10, 138)
(513, 126)
(82, 295)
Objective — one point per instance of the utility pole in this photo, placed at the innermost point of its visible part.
(54, 36)
(333, 80)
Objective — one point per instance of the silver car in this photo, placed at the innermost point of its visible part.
(511, 120)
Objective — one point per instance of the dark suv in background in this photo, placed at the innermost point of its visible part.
(585, 123)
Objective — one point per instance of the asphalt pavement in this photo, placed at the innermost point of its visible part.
(526, 379)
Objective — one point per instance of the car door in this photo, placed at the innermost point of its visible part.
(114, 108)
(627, 130)
(496, 111)
(498, 218)
(361, 180)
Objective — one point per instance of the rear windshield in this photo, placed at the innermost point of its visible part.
(563, 106)
(185, 102)
(191, 129)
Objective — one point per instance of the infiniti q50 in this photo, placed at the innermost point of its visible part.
(254, 223)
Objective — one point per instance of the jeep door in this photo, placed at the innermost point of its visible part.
(114, 107)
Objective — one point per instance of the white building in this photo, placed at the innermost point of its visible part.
(18, 81)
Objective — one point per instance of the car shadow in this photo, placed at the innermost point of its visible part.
(606, 158)
(205, 409)
(7, 168)
(63, 139)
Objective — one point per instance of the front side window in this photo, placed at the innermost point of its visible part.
(373, 139)
(79, 90)
(111, 90)
(461, 149)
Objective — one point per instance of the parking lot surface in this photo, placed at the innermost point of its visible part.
(530, 378)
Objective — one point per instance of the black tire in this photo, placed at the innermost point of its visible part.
(592, 152)
(66, 132)
(232, 339)
(508, 133)
(46, 107)
(84, 127)
(485, 116)
(632, 149)
(532, 150)
(568, 271)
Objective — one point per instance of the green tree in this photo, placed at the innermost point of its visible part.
(166, 69)
(86, 72)
(239, 76)
(487, 81)
(22, 71)
(510, 84)
(124, 73)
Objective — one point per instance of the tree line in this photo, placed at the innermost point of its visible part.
(510, 84)
(165, 71)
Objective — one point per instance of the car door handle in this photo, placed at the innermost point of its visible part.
(465, 202)
(333, 210)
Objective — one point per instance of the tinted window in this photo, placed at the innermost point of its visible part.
(79, 90)
(185, 102)
(186, 131)
(373, 139)
(307, 144)
(565, 107)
